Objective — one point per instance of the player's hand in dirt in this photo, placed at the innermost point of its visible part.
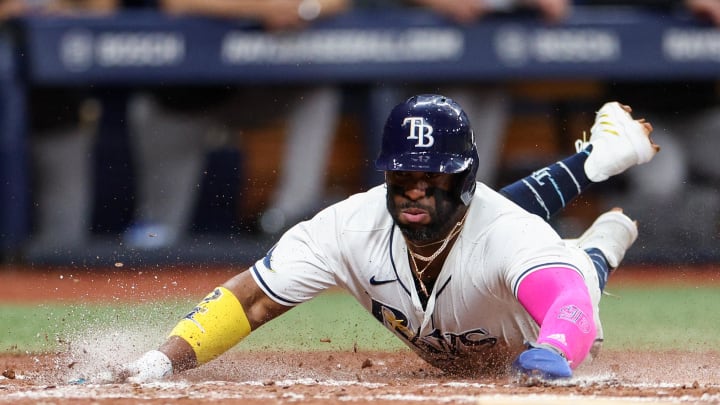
(151, 366)
(542, 362)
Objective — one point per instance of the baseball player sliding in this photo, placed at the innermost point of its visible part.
(473, 280)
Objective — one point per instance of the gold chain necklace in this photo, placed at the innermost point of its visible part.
(419, 273)
(456, 230)
(429, 259)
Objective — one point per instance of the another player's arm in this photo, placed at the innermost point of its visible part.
(221, 320)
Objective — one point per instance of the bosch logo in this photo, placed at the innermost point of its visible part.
(76, 50)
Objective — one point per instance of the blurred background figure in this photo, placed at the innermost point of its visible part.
(674, 198)
(62, 127)
(172, 129)
(488, 104)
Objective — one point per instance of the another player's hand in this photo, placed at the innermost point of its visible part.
(709, 9)
(542, 362)
(553, 10)
(459, 11)
(12, 8)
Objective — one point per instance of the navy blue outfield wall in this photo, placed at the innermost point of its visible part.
(144, 48)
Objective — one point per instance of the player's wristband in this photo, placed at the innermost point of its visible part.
(214, 326)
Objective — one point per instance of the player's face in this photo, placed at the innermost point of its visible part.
(424, 205)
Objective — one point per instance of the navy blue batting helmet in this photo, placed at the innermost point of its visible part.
(430, 133)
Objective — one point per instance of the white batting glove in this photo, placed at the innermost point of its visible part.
(151, 366)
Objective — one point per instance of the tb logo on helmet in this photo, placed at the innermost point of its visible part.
(421, 131)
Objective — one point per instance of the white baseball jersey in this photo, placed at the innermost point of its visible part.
(472, 319)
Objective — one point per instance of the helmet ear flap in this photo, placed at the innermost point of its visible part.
(469, 183)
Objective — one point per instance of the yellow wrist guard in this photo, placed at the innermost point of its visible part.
(214, 326)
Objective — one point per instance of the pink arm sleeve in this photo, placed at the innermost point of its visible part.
(559, 302)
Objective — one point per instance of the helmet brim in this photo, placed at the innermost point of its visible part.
(424, 162)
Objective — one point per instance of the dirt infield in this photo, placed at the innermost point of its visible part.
(378, 378)
(332, 377)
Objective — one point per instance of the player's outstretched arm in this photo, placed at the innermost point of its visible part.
(558, 300)
(220, 321)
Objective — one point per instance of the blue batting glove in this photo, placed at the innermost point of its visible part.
(543, 362)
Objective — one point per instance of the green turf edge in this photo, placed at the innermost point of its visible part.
(633, 318)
